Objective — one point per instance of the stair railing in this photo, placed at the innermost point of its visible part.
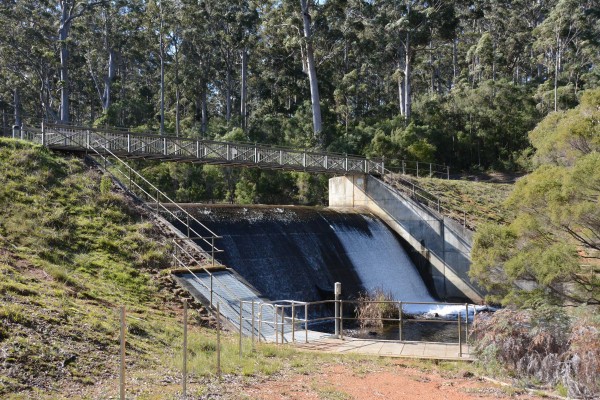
(422, 196)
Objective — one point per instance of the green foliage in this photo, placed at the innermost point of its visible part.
(475, 90)
(549, 251)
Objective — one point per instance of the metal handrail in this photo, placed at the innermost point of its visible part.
(398, 304)
(422, 196)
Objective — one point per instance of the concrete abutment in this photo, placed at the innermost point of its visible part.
(442, 241)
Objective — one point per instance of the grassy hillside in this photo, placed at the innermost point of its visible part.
(72, 251)
(482, 202)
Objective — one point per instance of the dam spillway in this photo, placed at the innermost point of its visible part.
(299, 253)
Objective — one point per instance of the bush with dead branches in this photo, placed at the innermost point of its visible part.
(544, 344)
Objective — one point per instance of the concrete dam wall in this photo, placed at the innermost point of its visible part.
(298, 253)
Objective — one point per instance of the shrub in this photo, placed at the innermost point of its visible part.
(370, 313)
(544, 344)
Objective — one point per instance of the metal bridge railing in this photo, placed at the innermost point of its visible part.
(286, 318)
(127, 144)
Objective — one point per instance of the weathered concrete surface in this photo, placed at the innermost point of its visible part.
(442, 241)
(422, 350)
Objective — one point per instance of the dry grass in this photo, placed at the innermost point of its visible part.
(546, 345)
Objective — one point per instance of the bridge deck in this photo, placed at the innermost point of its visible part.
(128, 145)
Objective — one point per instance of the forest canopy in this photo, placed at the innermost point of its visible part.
(550, 252)
(458, 82)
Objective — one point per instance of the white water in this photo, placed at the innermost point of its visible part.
(382, 264)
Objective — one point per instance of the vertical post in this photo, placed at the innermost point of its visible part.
(403, 167)
(165, 146)
(15, 131)
(438, 204)
(337, 290)
(430, 170)
(252, 325)
(197, 149)
(417, 169)
(211, 291)
(157, 199)
(122, 371)
(448, 172)
(128, 143)
(401, 325)
(185, 329)
(459, 336)
(341, 319)
(293, 322)
(306, 323)
(466, 323)
(218, 341)
(260, 307)
(241, 322)
(188, 223)
(282, 325)
(43, 134)
(212, 250)
(275, 322)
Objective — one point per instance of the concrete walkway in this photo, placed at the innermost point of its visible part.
(387, 348)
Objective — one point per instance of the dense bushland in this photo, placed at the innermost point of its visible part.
(544, 346)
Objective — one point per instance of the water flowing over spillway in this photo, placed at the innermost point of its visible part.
(300, 252)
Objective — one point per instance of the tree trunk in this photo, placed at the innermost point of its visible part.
(112, 73)
(244, 91)
(17, 100)
(177, 94)
(204, 106)
(162, 75)
(454, 62)
(407, 79)
(63, 34)
(400, 91)
(312, 73)
(228, 93)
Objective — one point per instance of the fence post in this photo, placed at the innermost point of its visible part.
(459, 336)
(293, 322)
(252, 325)
(122, 371)
(15, 131)
(417, 169)
(218, 341)
(341, 319)
(211, 291)
(241, 322)
(305, 323)
(185, 328)
(337, 291)
(275, 321)
(466, 323)
(401, 322)
(430, 170)
(448, 172)
(403, 167)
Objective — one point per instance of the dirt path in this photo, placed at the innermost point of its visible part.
(399, 381)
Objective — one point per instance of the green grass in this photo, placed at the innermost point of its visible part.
(71, 252)
(479, 201)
